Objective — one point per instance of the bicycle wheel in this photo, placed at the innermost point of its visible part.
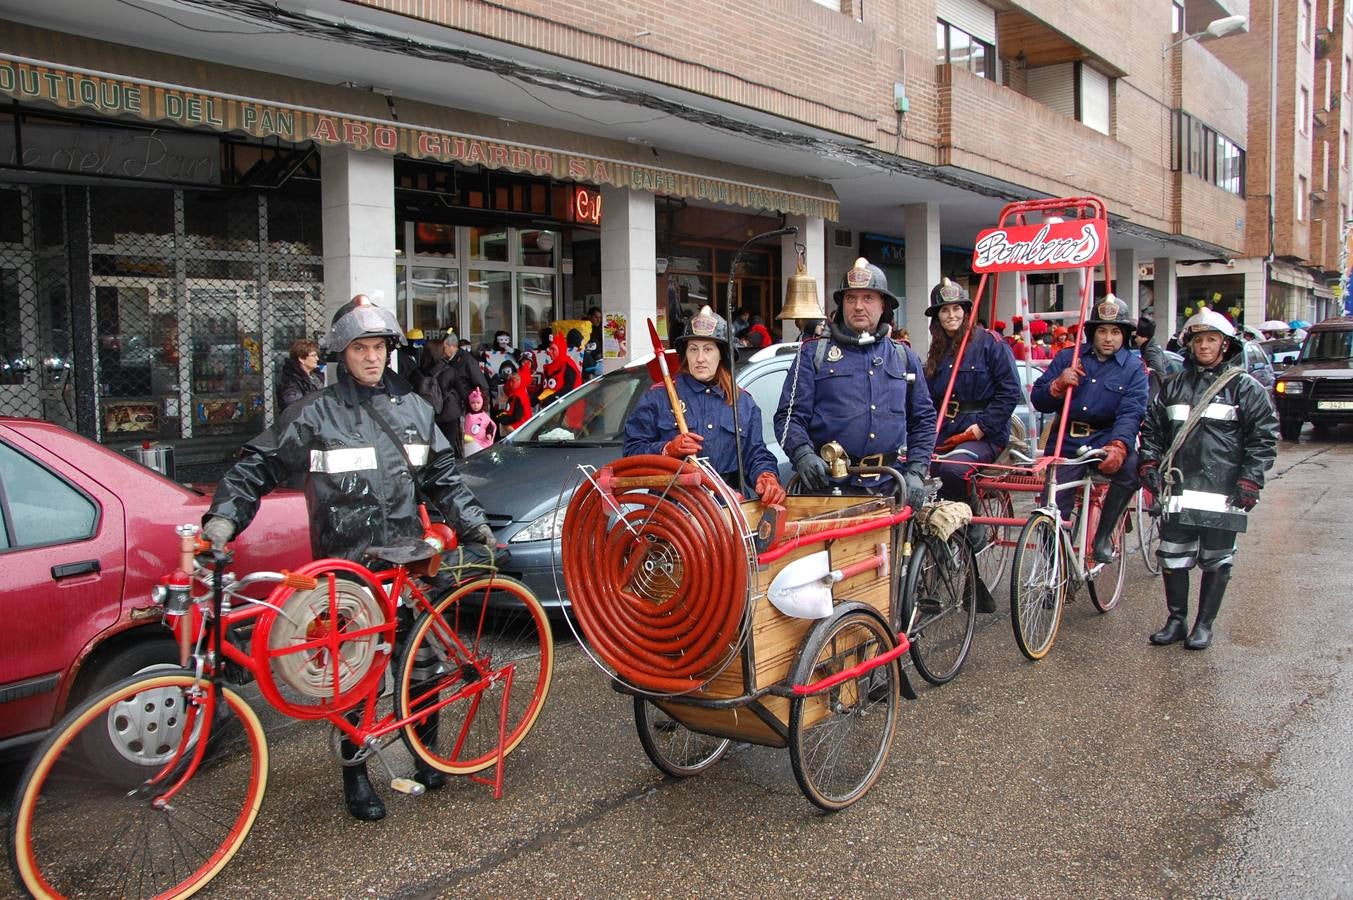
(1148, 533)
(994, 556)
(78, 830)
(1037, 586)
(941, 580)
(839, 737)
(671, 746)
(454, 663)
(1106, 587)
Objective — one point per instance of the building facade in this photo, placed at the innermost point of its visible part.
(186, 191)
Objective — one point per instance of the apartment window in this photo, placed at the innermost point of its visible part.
(1304, 22)
(955, 47)
(1343, 149)
(1304, 111)
(1177, 17)
(1348, 64)
(1202, 151)
(1303, 192)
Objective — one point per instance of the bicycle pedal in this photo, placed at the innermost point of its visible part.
(407, 786)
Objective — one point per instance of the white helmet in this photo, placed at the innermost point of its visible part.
(1211, 320)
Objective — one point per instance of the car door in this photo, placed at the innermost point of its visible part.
(61, 572)
(764, 383)
(1256, 362)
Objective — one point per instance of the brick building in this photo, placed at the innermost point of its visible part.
(187, 188)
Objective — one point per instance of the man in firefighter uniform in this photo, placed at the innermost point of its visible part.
(360, 445)
(861, 389)
(1108, 400)
(1207, 441)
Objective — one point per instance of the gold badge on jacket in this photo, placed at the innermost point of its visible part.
(834, 353)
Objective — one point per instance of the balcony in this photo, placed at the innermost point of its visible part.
(1048, 152)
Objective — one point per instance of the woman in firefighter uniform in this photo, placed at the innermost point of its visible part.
(975, 427)
(368, 449)
(1108, 402)
(704, 387)
(1210, 436)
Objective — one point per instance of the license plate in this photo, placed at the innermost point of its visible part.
(1334, 404)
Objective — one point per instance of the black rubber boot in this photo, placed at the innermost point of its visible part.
(1177, 602)
(1115, 504)
(428, 777)
(362, 801)
(1210, 593)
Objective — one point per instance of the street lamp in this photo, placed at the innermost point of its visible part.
(1215, 29)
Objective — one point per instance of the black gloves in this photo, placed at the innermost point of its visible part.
(811, 468)
(914, 478)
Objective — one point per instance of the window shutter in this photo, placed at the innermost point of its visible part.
(1054, 87)
(973, 16)
(1095, 99)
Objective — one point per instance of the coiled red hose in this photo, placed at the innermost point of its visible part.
(659, 590)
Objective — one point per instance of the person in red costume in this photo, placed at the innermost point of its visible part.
(1016, 338)
(518, 399)
(561, 372)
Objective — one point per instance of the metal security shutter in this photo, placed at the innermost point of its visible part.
(1054, 87)
(833, 5)
(973, 16)
(1095, 99)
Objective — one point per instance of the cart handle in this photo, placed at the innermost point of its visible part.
(855, 671)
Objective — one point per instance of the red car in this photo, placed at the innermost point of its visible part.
(84, 534)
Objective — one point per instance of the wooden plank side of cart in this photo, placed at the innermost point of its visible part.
(776, 639)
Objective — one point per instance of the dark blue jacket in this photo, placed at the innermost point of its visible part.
(1111, 398)
(653, 424)
(859, 396)
(988, 373)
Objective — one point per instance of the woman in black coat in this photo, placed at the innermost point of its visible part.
(298, 376)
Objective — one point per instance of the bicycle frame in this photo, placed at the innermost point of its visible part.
(1091, 500)
(206, 633)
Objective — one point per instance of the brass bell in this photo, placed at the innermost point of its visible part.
(802, 300)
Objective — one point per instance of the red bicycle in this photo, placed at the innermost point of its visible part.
(150, 787)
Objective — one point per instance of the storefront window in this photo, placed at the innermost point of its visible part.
(227, 363)
(537, 248)
(490, 301)
(436, 298)
(488, 244)
(219, 220)
(434, 239)
(119, 213)
(535, 306)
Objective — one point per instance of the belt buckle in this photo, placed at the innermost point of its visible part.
(951, 411)
(1080, 430)
(873, 459)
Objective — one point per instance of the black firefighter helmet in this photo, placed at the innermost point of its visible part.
(865, 276)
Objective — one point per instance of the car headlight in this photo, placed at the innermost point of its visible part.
(1290, 387)
(549, 527)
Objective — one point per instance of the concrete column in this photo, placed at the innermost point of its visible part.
(1007, 301)
(813, 235)
(1167, 300)
(629, 246)
(921, 230)
(1125, 274)
(357, 199)
(1072, 280)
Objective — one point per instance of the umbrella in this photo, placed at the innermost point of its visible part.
(1274, 325)
(1299, 323)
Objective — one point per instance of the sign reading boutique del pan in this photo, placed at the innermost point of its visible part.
(111, 95)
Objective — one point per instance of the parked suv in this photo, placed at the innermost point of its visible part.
(1318, 387)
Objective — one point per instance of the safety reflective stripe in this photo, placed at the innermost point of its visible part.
(1201, 500)
(1225, 412)
(418, 453)
(345, 459)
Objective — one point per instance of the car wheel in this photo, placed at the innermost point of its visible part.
(1290, 429)
(123, 750)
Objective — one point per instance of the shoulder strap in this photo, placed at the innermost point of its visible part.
(1195, 416)
(399, 445)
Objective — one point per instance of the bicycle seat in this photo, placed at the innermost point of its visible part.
(403, 554)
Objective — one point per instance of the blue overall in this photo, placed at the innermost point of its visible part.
(987, 376)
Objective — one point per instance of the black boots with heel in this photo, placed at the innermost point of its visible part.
(1177, 602)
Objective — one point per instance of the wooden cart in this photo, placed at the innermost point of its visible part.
(827, 688)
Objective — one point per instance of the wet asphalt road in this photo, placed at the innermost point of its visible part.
(1111, 768)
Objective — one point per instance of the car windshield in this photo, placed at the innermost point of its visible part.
(1336, 345)
(593, 414)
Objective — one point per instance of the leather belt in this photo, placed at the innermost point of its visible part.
(956, 408)
(1083, 429)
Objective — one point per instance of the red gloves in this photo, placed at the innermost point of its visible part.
(768, 488)
(1069, 378)
(972, 433)
(1114, 454)
(1247, 494)
(683, 445)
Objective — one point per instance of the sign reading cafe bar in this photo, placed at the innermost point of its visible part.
(189, 107)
